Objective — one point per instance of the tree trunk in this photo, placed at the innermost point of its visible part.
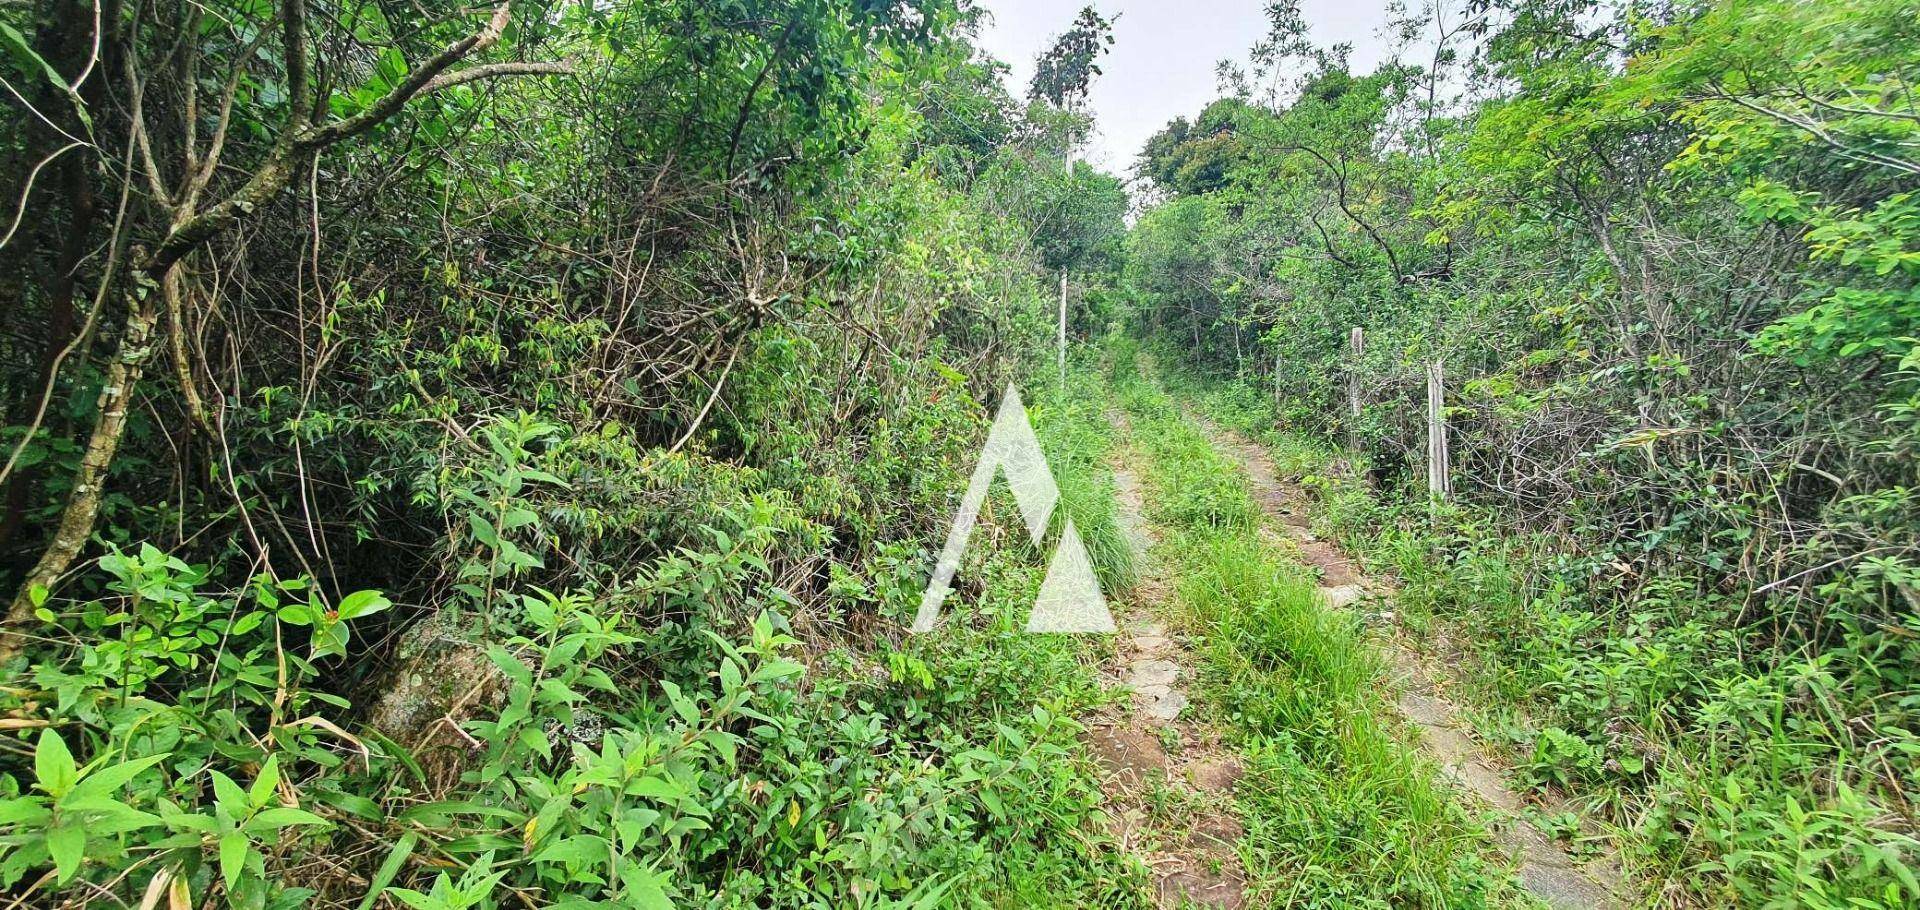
(83, 503)
(156, 274)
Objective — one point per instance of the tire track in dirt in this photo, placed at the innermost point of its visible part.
(1546, 870)
(1192, 854)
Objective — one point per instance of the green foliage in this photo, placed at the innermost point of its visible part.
(1744, 767)
(581, 441)
(1667, 254)
(1191, 158)
(163, 697)
(1064, 74)
(1340, 813)
(722, 782)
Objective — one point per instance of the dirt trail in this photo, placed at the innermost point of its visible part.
(1546, 870)
(1156, 748)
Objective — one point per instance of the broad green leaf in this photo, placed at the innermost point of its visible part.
(228, 794)
(22, 51)
(482, 530)
(363, 603)
(53, 765)
(233, 857)
(645, 888)
(67, 844)
(262, 791)
(580, 849)
(26, 811)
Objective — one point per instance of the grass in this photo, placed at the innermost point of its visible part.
(1725, 765)
(1339, 812)
(1041, 839)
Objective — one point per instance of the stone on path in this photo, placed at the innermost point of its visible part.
(1168, 706)
(1339, 597)
(1153, 673)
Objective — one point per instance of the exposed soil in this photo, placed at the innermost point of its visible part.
(1156, 748)
(1547, 870)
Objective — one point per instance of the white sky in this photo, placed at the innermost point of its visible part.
(1161, 64)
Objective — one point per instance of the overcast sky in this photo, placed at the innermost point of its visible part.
(1162, 62)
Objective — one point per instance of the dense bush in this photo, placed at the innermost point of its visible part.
(474, 460)
(1667, 255)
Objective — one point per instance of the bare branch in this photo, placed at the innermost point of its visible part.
(302, 141)
(497, 70)
(27, 191)
(1340, 187)
(416, 81)
(216, 144)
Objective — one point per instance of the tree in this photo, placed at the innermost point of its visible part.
(1064, 73)
(185, 207)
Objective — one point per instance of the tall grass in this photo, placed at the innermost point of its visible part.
(1071, 423)
(1339, 812)
(1732, 771)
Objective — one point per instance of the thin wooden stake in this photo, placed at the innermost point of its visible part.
(1439, 479)
(1357, 345)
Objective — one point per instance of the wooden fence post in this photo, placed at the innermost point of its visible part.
(1439, 480)
(1356, 346)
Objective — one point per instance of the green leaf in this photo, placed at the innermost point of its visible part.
(655, 787)
(416, 899)
(262, 791)
(682, 705)
(109, 816)
(545, 477)
(384, 875)
(233, 857)
(482, 531)
(227, 793)
(580, 849)
(363, 603)
(329, 638)
(644, 889)
(283, 817)
(435, 814)
(994, 804)
(107, 780)
(30, 61)
(53, 765)
(67, 844)
(28, 811)
(351, 803)
(510, 665)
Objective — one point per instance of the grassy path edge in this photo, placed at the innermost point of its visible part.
(1340, 809)
(1544, 867)
(1168, 777)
